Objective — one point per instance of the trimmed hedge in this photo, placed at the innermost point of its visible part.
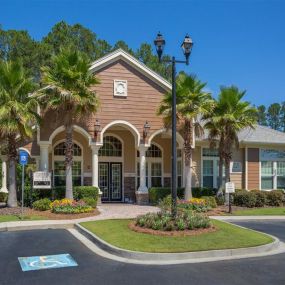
(58, 193)
(159, 193)
(256, 198)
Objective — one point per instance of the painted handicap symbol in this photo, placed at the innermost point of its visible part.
(46, 262)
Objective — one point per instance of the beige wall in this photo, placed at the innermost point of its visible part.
(238, 178)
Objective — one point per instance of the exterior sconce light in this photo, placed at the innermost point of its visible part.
(97, 129)
(146, 128)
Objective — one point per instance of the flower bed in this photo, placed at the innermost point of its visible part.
(68, 206)
(163, 221)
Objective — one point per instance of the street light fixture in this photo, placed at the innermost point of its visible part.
(187, 48)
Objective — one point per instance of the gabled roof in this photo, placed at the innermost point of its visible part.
(120, 54)
(258, 135)
(262, 135)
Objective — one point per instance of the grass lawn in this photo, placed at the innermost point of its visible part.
(116, 232)
(261, 211)
(15, 218)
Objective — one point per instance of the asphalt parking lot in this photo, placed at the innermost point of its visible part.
(93, 269)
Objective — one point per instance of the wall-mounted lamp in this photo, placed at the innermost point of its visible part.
(146, 128)
(97, 129)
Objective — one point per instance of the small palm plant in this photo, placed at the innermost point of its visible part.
(192, 102)
(230, 116)
(68, 81)
(18, 115)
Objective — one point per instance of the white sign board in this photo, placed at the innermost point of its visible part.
(230, 187)
(42, 180)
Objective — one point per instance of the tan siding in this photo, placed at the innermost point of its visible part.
(238, 178)
(141, 104)
(253, 168)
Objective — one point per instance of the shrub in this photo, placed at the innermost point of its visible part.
(164, 222)
(159, 193)
(90, 201)
(194, 204)
(210, 201)
(80, 192)
(42, 204)
(245, 198)
(261, 198)
(68, 206)
(3, 197)
(156, 194)
(220, 200)
(275, 198)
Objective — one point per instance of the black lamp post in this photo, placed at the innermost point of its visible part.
(187, 47)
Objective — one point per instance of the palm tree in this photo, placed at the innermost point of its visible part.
(192, 102)
(68, 81)
(229, 117)
(18, 114)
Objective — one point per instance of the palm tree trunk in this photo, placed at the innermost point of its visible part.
(227, 170)
(68, 161)
(220, 185)
(12, 154)
(188, 138)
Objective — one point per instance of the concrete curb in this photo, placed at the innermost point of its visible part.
(247, 218)
(186, 257)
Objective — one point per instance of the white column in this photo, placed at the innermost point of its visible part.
(44, 157)
(4, 175)
(142, 188)
(95, 166)
(37, 159)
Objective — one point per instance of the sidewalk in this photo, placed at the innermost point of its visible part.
(107, 211)
(247, 218)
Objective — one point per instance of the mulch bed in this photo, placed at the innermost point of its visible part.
(195, 232)
(46, 214)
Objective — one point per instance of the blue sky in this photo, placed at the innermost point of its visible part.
(239, 42)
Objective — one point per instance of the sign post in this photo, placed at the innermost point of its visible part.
(230, 188)
(23, 161)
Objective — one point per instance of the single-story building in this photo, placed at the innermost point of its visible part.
(124, 161)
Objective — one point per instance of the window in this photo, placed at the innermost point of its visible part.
(59, 165)
(267, 175)
(111, 147)
(280, 175)
(208, 173)
(60, 149)
(211, 168)
(156, 174)
(59, 173)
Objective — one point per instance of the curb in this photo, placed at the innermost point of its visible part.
(4, 227)
(211, 255)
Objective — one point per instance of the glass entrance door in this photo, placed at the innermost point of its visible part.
(110, 181)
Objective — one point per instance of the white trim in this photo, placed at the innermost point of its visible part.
(125, 124)
(26, 150)
(179, 138)
(126, 57)
(62, 129)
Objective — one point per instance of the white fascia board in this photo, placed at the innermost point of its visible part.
(121, 54)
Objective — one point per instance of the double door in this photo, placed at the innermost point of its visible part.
(110, 181)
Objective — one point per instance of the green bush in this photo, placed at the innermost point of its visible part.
(245, 198)
(80, 192)
(164, 222)
(210, 201)
(68, 206)
(42, 204)
(261, 198)
(275, 198)
(158, 193)
(220, 200)
(3, 197)
(90, 201)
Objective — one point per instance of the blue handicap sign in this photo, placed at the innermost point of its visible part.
(23, 157)
(46, 262)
